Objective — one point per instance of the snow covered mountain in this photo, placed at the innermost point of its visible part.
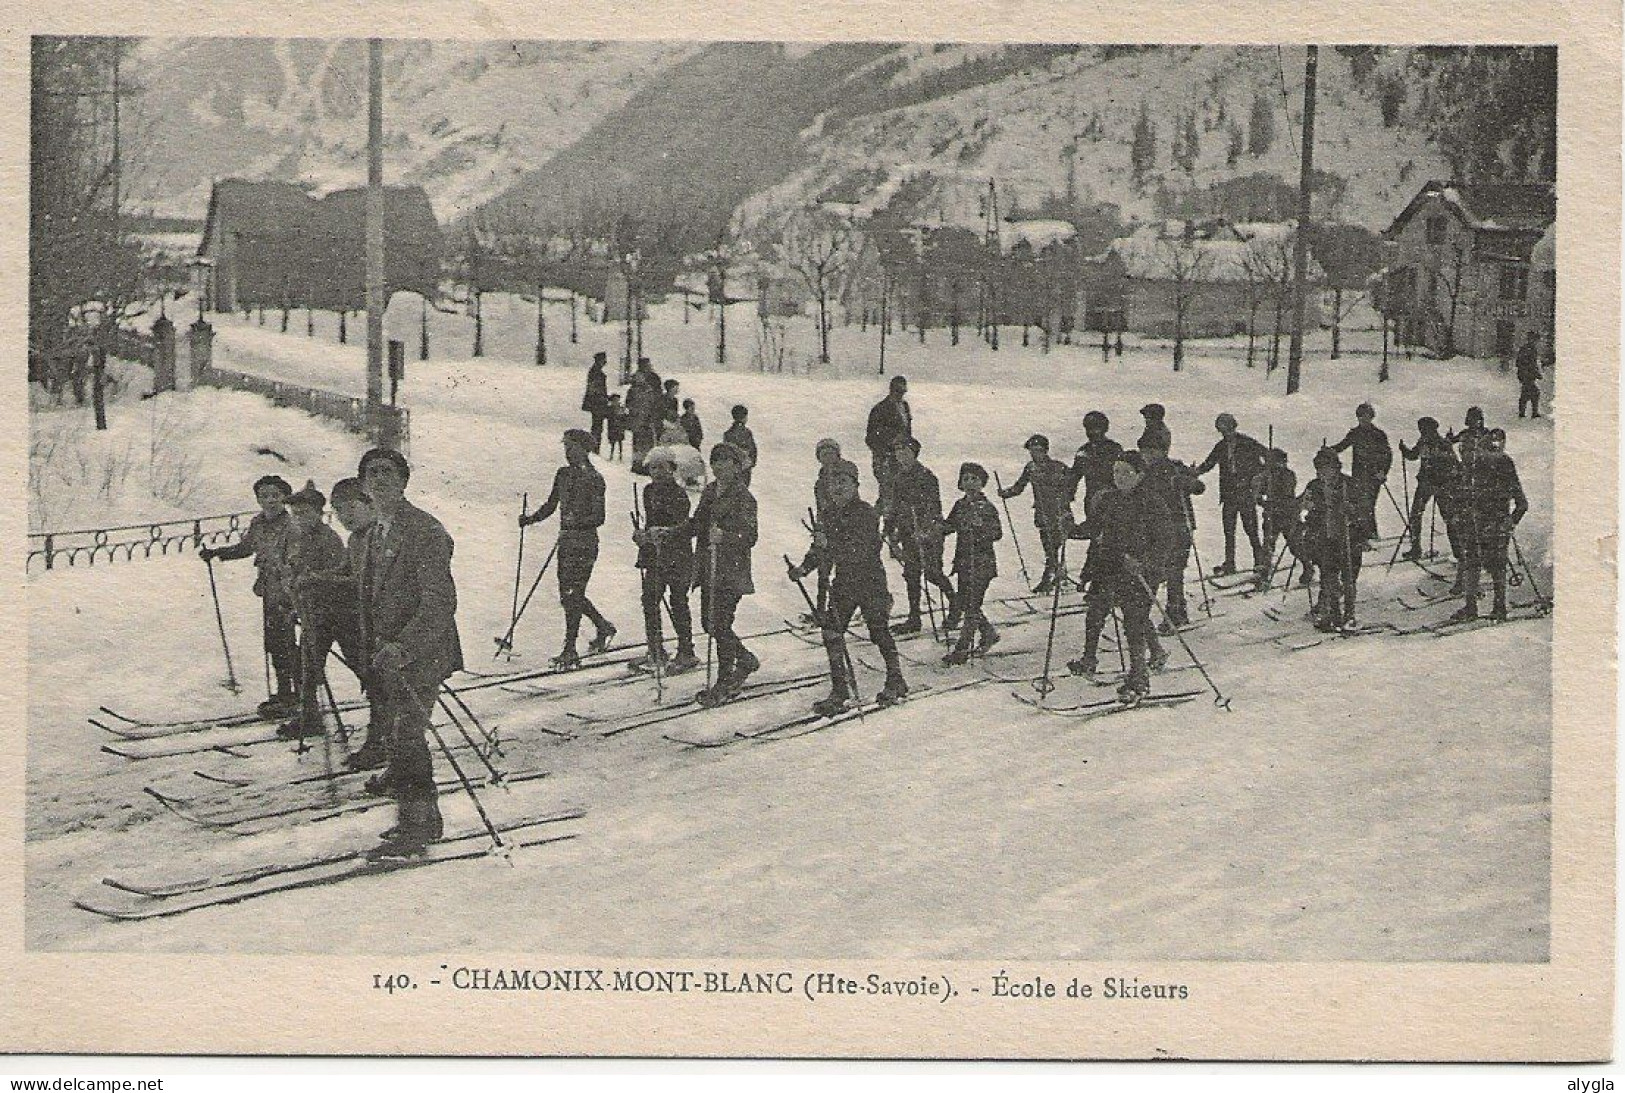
(755, 129)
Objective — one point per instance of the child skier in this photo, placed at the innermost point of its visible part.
(1275, 490)
(847, 537)
(1052, 487)
(1373, 458)
(1131, 532)
(691, 425)
(1092, 464)
(914, 530)
(1435, 477)
(740, 436)
(1173, 484)
(975, 522)
(1334, 518)
(666, 559)
(578, 498)
(263, 542)
(724, 529)
(830, 463)
(313, 550)
(1239, 458)
(1487, 487)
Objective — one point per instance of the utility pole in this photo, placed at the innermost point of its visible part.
(1300, 249)
(375, 237)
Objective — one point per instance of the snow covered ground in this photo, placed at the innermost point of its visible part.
(1385, 798)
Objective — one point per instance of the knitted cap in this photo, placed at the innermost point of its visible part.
(975, 470)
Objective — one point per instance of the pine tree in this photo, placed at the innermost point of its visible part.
(1261, 127)
(1143, 152)
(1237, 145)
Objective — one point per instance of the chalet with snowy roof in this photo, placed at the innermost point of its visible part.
(1463, 277)
(272, 244)
(1223, 275)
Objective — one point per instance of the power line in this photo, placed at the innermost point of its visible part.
(1286, 103)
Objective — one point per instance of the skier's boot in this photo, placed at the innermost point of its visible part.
(418, 826)
(1157, 660)
(1499, 611)
(648, 662)
(684, 661)
(745, 666)
(381, 784)
(1414, 554)
(910, 625)
(990, 638)
(299, 729)
(1225, 569)
(893, 691)
(281, 704)
(1132, 694)
(601, 641)
(1084, 667)
(1349, 624)
(568, 660)
(1467, 613)
(960, 655)
(835, 702)
(369, 756)
(1047, 584)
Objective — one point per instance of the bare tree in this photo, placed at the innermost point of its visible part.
(1185, 264)
(817, 246)
(1267, 265)
(1453, 269)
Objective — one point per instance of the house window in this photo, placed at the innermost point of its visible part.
(1436, 230)
(1514, 282)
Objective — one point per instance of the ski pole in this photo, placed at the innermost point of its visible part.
(1403, 515)
(1529, 573)
(495, 775)
(398, 679)
(709, 596)
(214, 593)
(519, 565)
(493, 745)
(1044, 686)
(269, 693)
(505, 642)
(1117, 632)
(1014, 538)
(1219, 699)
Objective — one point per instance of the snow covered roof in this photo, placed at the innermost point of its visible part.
(1486, 206)
(1213, 252)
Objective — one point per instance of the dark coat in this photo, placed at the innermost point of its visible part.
(578, 498)
(852, 547)
(734, 511)
(916, 505)
(596, 398)
(1052, 490)
(310, 553)
(889, 419)
(691, 427)
(1334, 518)
(1240, 459)
(975, 522)
(1135, 524)
(1488, 494)
(1528, 363)
(264, 542)
(1173, 484)
(1158, 432)
(821, 497)
(1439, 463)
(407, 594)
(1092, 466)
(665, 513)
(1373, 455)
(742, 438)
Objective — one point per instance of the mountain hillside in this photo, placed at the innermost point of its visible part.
(705, 134)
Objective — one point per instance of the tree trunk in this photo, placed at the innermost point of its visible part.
(572, 317)
(1179, 334)
(823, 324)
(344, 328)
(310, 322)
(1252, 330)
(423, 332)
(541, 328)
(1382, 373)
(1337, 321)
(285, 318)
(479, 324)
(885, 324)
(98, 387)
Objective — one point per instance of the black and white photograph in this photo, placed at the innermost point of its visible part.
(741, 500)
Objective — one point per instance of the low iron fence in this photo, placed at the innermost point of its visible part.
(349, 411)
(124, 543)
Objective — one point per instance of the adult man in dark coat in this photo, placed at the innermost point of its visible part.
(596, 399)
(889, 419)
(1529, 372)
(409, 627)
(1240, 460)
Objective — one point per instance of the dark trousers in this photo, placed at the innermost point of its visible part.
(1098, 609)
(1370, 491)
(1051, 540)
(673, 588)
(578, 553)
(324, 625)
(598, 420)
(407, 701)
(876, 611)
(280, 644)
(1174, 578)
(1278, 526)
(1134, 604)
(717, 610)
(1486, 551)
(1339, 578)
(923, 562)
(1427, 491)
(1529, 395)
(968, 600)
(1230, 508)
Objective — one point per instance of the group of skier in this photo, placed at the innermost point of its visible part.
(388, 600)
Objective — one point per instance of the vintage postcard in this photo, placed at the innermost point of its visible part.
(904, 531)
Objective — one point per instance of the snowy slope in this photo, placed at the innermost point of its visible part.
(1375, 799)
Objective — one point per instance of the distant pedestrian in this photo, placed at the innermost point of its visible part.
(596, 399)
(1529, 373)
(1156, 428)
(691, 425)
(616, 419)
(740, 436)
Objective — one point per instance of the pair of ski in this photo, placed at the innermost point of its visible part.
(133, 729)
(812, 722)
(688, 707)
(1297, 643)
(311, 808)
(139, 900)
(1085, 711)
(1449, 627)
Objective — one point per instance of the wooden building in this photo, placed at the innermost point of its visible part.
(271, 244)
(1461, 279)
